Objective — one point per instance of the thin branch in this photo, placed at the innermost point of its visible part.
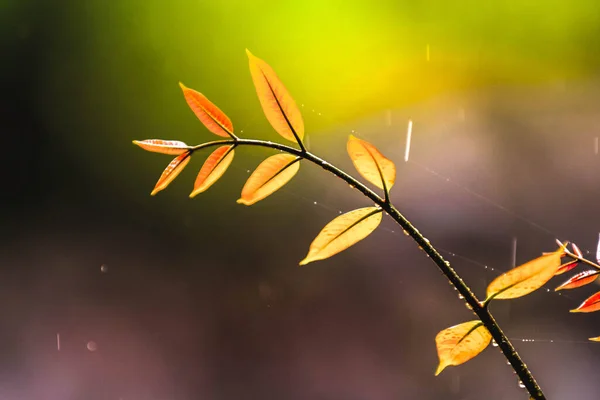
(583, 260)
(480, 309)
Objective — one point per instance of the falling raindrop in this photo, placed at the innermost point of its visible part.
(104, 268)
(91, 346)
(315, 202)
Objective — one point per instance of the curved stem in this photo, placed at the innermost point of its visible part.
(480, 309)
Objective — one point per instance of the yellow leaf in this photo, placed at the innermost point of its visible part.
(458, 344)
(213, 168)
(171, 172)
(209, 114)
(268, 177)
(279, 107)
(172, 147)
(371, 164)
(525, 278)
(343, 232)
(595, 339)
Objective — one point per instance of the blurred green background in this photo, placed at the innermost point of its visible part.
(108, 70)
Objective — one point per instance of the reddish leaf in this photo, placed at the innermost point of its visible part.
(566, 267)
(576, 250)
(279, 107)
(581, 279)
(209, 114)
(591, 304)
(171, 172)
(172, 147)
(213, 168)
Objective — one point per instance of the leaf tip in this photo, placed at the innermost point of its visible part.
(440, 368)
(575, 310)
(182, 86)
(595, 339)
(304, 262)
(243, 201)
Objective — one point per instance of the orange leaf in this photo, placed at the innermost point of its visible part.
(526, 278)
(209, 114)
(595, 339)
(343, 232)
(590, 304)
(371, 164)
(566, 267)
(581, 279)
(213, 168)
(460, 343)
(171, 172)
(268, 177)
(172, 147)
(279, 107)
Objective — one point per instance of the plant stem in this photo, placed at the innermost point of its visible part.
(583, 260)
(480, 309)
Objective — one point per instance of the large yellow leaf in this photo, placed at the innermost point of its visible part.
(172, 147)
(268, 177)
(343, 232)
(458, 344)
(525, 278)
(213, 168)
(209, 114)
(171, 172)
(371, 164)
(279, 107)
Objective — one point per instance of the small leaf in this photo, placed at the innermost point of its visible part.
(279, 107)
(458, 344)
(576, 250)
(172, 147)
(268, 177)
(171, 172)
(525, 278)
(371, 164)
(343, 232)
(581, 279)
(213, 168)
(209, 114)
(566, 267)
(590, 304)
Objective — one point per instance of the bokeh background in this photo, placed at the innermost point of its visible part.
(167, 298)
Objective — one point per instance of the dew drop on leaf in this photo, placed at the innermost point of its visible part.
(521, 385)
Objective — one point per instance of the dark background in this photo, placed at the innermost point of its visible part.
(203, 298)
